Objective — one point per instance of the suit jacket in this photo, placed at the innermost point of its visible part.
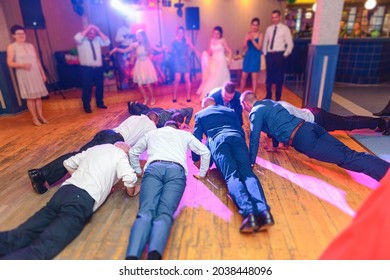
(234, 104)
(213, 121)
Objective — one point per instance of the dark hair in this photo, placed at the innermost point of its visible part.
(177, 117)
(16, 28)
(219, 29)
(256, 19)
(276, 12)
(172, 124)
(229, 87)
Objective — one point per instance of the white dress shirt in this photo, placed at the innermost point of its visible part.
(85, 52)
(169, 144)
(134, 127)
(283, 41)
(302, 113)
(98, 169)
(123, 36)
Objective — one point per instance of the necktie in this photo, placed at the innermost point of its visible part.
(93, 50)
(273, 38)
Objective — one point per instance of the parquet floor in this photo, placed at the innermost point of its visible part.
(310, 201)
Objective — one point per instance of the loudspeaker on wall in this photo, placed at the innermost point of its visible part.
(10, 101)
(192, 18)
(32, 14)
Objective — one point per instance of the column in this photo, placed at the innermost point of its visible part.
(323, 54)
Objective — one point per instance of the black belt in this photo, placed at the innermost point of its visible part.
(166, 161)
(275, 52)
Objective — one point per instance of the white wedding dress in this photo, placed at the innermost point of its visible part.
(215, 69)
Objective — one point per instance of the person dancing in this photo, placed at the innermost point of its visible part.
(252, 44)
(144, 72)
(218, 65)
(181, 61)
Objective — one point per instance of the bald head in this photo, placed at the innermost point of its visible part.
(207, 102)
(153, 116)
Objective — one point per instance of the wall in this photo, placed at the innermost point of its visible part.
(63, 23)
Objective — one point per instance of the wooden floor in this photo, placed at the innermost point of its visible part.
(310, 201)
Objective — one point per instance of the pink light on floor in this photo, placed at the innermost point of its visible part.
(315, 186)
(198, 195)
(357, 177)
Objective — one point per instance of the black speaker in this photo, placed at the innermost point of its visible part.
(32, 14)
(192, 18)
(10, 102)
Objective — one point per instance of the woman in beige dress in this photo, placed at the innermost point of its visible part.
(29, 73)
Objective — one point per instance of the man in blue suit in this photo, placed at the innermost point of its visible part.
(306, 137)
(226, 141)
(229, 97)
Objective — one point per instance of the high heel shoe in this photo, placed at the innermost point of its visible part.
(153, 101)
(36, 122)
(146, 101)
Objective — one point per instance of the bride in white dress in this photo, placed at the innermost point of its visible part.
(215, 66)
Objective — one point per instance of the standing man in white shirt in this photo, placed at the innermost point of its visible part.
(47, 232)
(89, 44)
(162, 186)
(277, 46)
(130, 131)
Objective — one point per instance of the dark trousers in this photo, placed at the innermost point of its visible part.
(91, 76)
(315, 142)
(137, 108)
(231, 156)
(275, 67)
(162, 188)
(333, 122)
(55, 170)
(50, 229)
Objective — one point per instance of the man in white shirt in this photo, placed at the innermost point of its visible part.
(123, 33)
(277, 46)
(332, 122)
(47, 232)
(89, 44)
(162, 185)
(129, 131)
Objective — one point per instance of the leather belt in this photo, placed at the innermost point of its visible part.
(275, 52)
(166, 161)
(294, 132)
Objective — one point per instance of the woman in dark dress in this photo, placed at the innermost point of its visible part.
(181, 61)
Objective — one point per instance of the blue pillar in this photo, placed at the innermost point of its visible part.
(321, 72)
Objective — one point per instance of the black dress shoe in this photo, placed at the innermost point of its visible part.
(88, 110)
(249, 224)
(386, 126)
(265, 220)
(37, 180)
(102, 106)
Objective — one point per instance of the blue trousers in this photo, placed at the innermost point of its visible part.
(333, 122)
(55, 170)
(315, 142)
(50, 229)
(162, 188)
(231, 156)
